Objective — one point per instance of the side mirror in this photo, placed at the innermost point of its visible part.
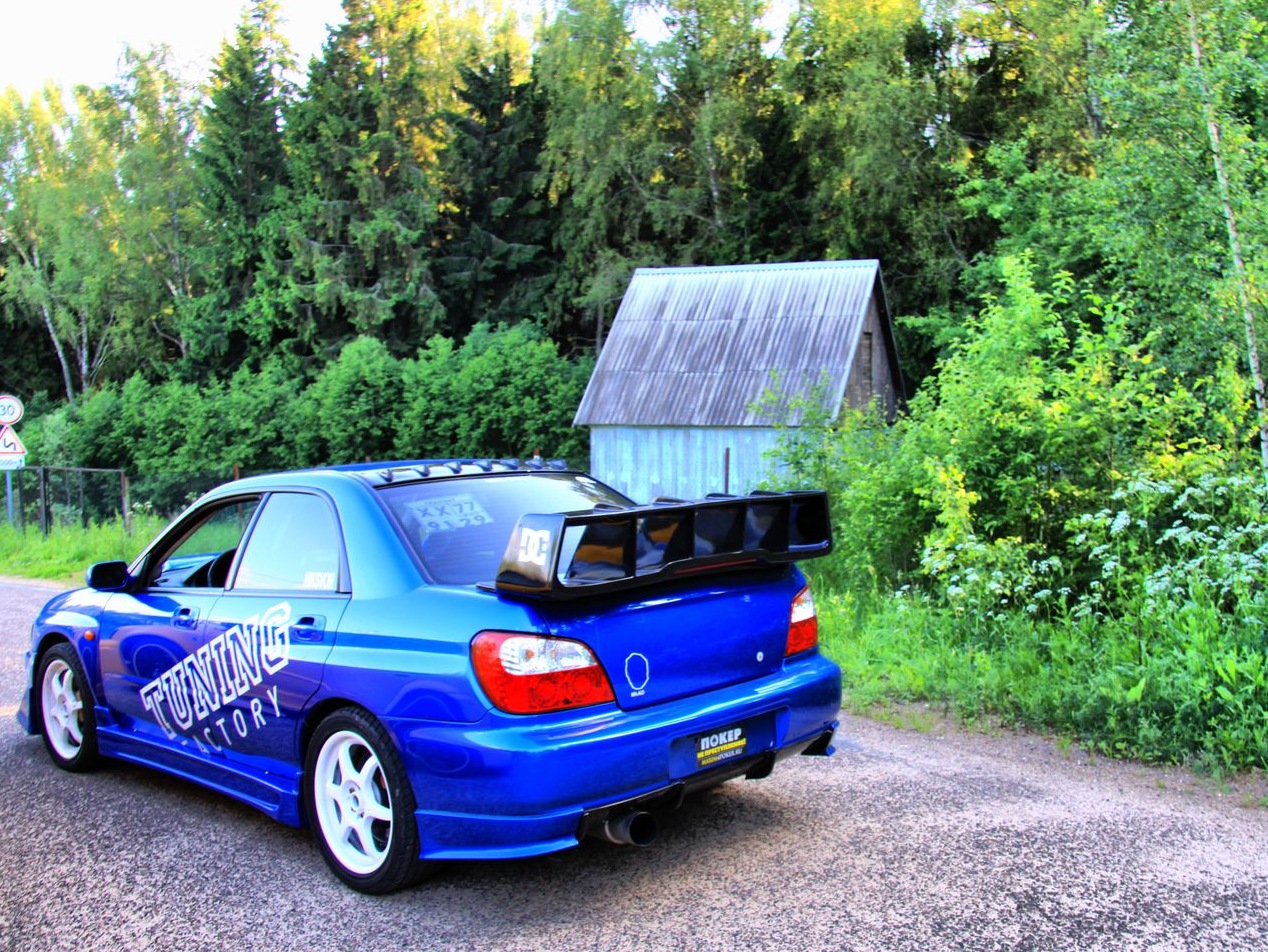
(108, 576)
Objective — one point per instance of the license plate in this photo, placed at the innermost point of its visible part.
(717, 747)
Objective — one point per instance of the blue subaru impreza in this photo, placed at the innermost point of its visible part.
(459, 659)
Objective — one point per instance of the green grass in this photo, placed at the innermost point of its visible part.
(884, 653)
(1190, 688)
(68, 551)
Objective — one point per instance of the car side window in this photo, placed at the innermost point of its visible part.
(201, 555)
(295, 545)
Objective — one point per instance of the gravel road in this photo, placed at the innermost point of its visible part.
(908, 839)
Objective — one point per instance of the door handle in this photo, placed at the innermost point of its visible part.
(186, 617)
(311, 628)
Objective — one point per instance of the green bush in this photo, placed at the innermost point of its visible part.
(349, 413)
(1059, 533)
(877, 519)
(504, 392)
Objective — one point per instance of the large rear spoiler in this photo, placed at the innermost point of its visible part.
(571, 555)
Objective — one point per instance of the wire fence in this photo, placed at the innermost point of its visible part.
(51, 497)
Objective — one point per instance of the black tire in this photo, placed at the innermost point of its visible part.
(360, 805)
(67, 720)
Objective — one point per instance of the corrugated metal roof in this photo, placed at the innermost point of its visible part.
(699, 346)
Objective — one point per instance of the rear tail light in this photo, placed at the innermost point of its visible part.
(532, 674)
(803, 624)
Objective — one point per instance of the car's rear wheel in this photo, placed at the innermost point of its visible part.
(67, 722)
(360, 804)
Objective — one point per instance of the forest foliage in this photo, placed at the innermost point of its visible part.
(412, 246)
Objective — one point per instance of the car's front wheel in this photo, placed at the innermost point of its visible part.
(360, 804)
(67, 722)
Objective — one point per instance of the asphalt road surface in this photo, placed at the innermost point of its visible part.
(925, 839)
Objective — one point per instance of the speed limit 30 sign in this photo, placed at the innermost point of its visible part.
(10, 409)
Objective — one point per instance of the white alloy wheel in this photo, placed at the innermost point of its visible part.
(353, 802)
(63, 709)
(360, 805)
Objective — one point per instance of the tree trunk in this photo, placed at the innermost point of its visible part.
(46, 312)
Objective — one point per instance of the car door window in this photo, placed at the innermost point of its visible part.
(295, 545)
(201, 556)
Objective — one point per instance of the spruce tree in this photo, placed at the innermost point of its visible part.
(495, 222)
(350, 240)
(241, 163)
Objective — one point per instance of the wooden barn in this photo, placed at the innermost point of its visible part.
(676, 404)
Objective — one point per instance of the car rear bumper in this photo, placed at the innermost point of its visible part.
(512, 786)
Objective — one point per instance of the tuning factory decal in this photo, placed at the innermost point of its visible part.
(189, 696)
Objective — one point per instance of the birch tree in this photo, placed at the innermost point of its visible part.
(1230, 188)
(1182, 171)
(60, 215)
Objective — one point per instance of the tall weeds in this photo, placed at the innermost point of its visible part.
(67, 551)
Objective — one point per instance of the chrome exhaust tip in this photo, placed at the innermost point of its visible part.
(634, 828)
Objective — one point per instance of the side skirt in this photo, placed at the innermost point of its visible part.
(275, 794)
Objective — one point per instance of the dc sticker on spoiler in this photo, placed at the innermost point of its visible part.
(534, 546)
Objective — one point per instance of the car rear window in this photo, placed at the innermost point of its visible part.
(460, 527)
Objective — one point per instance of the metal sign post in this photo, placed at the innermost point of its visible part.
(12, 452)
